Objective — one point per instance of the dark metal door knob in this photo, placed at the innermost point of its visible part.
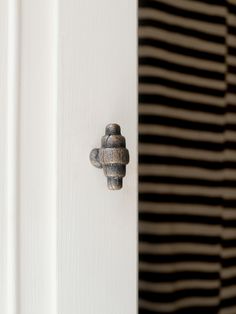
(112, 156)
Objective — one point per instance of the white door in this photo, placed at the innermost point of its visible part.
(68, 244)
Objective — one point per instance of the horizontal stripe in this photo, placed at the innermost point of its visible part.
(172, 277)
(186, 124)
(179, 248)
(216, 192)
(231, 8)
(175, 68)
(184, 78)
(231, 41)
(185, 156)
(170, 179)
(181, 40)
(228, 282)
(229, 213)
(210, 2)
(195, 302)
(154, 129)
(231, 19)
(182, 218)
(231, 77)
(170, 17)
(231, 100)
(231, 310)
(178, 119)
(196, 209)
(181, 161)
(157, 57)
(231, 1)
(231, 60)
(146, 99)
(231, 69)
(154, 80)
(175, 28)
(181, 95)
(179, 49)
(186, 143)
(178, 238)
(228, 253)
(203, 7)
(229, 272)
(229, 234)
(228, 292)
(187, 172)
(185, 198)
(193, 310)
(231, 50)
(171, 109)
(231, 30)
(179, 285)
(180, 229)
(181, 266)
(227, 245)
(162, 259)
(229, 302)
(163, 6)
(213, 115)
(231, 89)
(176, 294)
(177, 258)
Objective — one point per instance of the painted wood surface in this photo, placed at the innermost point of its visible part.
(3, 156)
(97, 228)
(67, 68)
(37, 210)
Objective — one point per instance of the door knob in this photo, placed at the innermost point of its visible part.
(112, 156)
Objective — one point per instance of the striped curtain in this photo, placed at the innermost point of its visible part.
(187, 156)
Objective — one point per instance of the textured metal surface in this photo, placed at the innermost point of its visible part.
(112, 156)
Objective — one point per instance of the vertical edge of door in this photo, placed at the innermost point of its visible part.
(97, 228)
(8, 160)
(28, 36)
(3, 154)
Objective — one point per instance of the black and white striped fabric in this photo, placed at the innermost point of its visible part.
(187, 156)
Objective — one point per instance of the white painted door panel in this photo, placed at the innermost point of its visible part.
(69, 245)
(97, 228)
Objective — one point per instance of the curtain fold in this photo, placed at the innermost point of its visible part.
(187, 156)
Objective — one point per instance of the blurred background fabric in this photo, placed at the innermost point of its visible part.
(187, 156)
